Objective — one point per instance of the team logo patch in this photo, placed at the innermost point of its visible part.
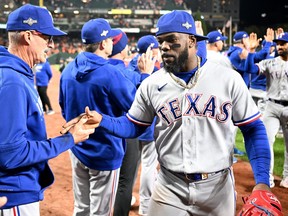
(187, 25)
(104, 33)
(30, 21)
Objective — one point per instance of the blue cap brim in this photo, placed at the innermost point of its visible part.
(52, 32)
(200, 37)
(280, 39)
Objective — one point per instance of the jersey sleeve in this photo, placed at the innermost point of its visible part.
(142, 111)
(244, 108)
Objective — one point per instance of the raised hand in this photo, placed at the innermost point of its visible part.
(279, 31)
(269, 37)
(146, 62)
(253, 42)
(199, 29)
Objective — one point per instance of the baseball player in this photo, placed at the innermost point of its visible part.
(196, 103)
(24, 147)
(90, 80)
(43, 75)
(276, 112)
(258, 81)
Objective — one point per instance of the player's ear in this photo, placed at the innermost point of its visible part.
(191, 41)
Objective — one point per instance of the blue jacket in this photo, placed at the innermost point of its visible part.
(258, 81)
(43, 74)
(238, 63)
(136, 78)
(24, 147)
(92, 81)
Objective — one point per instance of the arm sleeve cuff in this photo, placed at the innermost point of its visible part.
(121, 126)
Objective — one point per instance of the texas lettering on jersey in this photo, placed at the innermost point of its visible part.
(171, 111)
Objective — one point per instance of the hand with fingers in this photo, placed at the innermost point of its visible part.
(199, 29)
(253, 42)
(278, 32)
(146, 61)
(86, 122)
(269, 37)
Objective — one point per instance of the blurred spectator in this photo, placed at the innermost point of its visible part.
(43, 75)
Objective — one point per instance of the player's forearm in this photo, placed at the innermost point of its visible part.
(250, 65)
(121, 127)
(258, 150)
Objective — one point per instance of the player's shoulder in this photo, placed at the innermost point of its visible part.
(219, 69)
(156, 78)
(270, 62)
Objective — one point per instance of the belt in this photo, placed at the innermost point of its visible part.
(283, 103)
(193, 177)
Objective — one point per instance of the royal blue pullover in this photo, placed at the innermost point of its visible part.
(24, 147)
(92, 81)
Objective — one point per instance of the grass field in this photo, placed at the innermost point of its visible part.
(278, 152)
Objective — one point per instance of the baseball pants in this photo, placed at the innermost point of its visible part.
(31, 209)
(94, 191)
(276, 116)
(213, 196)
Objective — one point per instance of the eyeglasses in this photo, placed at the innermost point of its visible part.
(48, 38)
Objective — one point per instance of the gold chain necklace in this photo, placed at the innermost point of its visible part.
(192, 82)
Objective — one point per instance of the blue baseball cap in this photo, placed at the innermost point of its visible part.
(282, 37)
(177, 21)
(240, 35)
(146, 41)
(120, 41)
(96, 30)
(31, 17)
(215, 36)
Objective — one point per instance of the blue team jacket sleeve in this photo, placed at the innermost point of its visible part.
(121, 127)
(258, 150)
(263, 53)
(23, 142)
(250, 65)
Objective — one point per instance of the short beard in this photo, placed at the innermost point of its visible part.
(283, 53)
(179, 64)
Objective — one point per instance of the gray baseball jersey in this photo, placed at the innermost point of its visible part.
(194, 129)
(276, 72)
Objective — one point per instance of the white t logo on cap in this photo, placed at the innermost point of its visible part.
(187, 25)
(104, 33)
(30, 21)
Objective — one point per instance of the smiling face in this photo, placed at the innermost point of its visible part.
(176, 49)
(282, 48)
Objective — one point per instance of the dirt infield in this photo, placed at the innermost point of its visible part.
(58, 199)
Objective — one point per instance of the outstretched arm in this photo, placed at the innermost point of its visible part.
(258, 151)
(119, 126)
